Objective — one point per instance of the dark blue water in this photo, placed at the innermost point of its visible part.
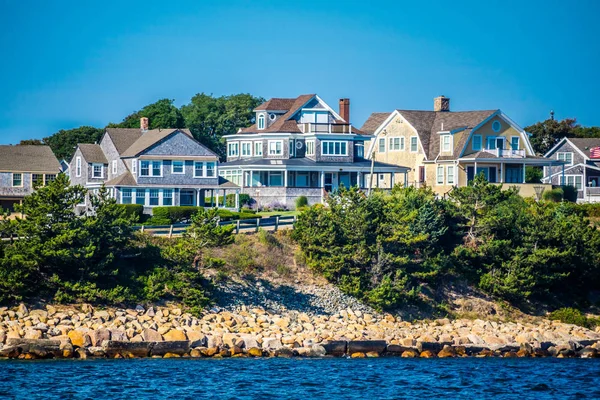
(384, 378)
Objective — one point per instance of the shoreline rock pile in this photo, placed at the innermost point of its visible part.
(167, 332)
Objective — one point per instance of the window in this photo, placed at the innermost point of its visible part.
(440, 175)
(140, 196)
(572, 180)
(402, 143)
(496, 125)
(261, 121)
(258, 148)
(126, 196)
(134, 166)
(275, 147)
(78, 167)
(276, 178)
(413, 144)
(450, 174)
(446, 143)
(382, 145)
(566, 157)
(114, 167)
(17, 180)
(234, 176)
(167, 197)
(291, 148)
(310, 148)
(37, 180)
(154, 197)
(49, 178)
(246, 149)
(210, 169)
(514, 143)
(178, 167)
(334, 148)
(476, 142)
(233, 149)
(145, 168)
(395, 143)
(97, 170)
(513, 174)
(198, 169)
(359, 150)
(156, 168)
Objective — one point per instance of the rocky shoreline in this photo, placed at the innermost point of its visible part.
(167, 332)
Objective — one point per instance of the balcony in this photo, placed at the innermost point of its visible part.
(310, 127)
(508, 153)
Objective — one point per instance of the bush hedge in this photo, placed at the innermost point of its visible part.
(591, 210)
(133, 210)
(555, 195)
(570, 193)
(178, 214)
(301, 201)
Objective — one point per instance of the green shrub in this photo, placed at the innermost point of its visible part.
(533, 174)
(573, 316)
(570, 193)
(591, 210)
(157, 221)
(136, 210)
(301, 201)
(246, 210)
(175, 214)
(268, 239)
(555, 195)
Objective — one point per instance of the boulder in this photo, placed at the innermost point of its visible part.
(335, 347)
(150, 335)
(41, 348)
(255, 352)
(195, 353)
(427, 354)
(271, 344)
(447, 351)
(98, 336)
(79, 338)
(210, 351)
(284, 352)
(395, 349)
(175, 335)
(249, 341)
(588, 352)
(367, 346)
(358, 355)
(174, 347)
(410, 354)
(138, 349)
(196, 339)
(118, 334)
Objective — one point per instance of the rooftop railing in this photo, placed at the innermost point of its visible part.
(310, 127)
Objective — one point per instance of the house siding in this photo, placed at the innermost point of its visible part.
(170, 179)
(7, 189)
(178, 144)
(506, 131)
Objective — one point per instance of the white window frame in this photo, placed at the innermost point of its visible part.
(477, 148)
(449, 144)
(292, 148)
(182, 167)
(231, 147)
(573, 179)
(149, 168)
(32, 182)
(564, 153)
(395, 144)
(493, 139)
(12, 179)
(325, 144)
(381, 145)
(131, 196)
(518, 142)
(150, 197)
(402, 143)
(94, 165)
(114, 167)
(275, 142)
(450, 181)
(163, 196)
(135, 196)
(214, 163)
(260, 121)
(258, 148)
(78, 167)
(152, 168)
(416, 139)
(437, 175)
(310, 147)
(134, 164)
(249, 148)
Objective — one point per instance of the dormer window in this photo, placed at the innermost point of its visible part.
(261, 121)
(446, 143)
(272, 117)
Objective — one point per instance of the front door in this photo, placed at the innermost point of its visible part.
(421, 174)
(331, 181)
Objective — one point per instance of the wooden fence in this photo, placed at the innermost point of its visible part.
(273, 223)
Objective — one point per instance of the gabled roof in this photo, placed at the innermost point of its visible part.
(585, 144)
(125, 179)
(277, 104)
(28, 158)
(150, 138)
(374, 121)
(123, 138)
(92, 153)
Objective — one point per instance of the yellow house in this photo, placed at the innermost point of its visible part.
(444, 148)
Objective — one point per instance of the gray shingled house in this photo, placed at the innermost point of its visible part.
(159, 167)
(22, 169)
(581, 168)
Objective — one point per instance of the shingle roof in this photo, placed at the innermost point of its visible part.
(225, 183)
(92, 153)
(277, 104)
(125, 179)
(305, 162)
(374, 121)
(150, 138)
(123, 138)
(585, 144)
(28, 158)
(429, 123)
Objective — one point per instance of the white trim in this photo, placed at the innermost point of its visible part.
(173, 167)
(518, 143)
(230, 145)
(410, 144)
(151, 169)
(264, 121)
(258, 144)
(310, 144)
(12, 179)
(78, 166)
(556, 147)
(437, 175)
(453, 166)
(400, 143)
(558, 153)
(494, 139)
(497, 112)
(379, 145)
(382, 127)
(114, 167)
(521, 131)
(250, 144)
(94, 171)
(134, 166)
(341, 142)
(565, 183)
(450, 142)
(269, 148)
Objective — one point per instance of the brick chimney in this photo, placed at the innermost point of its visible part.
(441, 103)
(345, 109)
(144, 124)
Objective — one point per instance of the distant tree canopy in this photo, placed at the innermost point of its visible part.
(208, 118)
(544, 135)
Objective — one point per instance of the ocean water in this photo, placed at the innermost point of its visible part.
(277, 378)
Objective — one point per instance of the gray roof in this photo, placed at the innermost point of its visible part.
(125, 179)
(374, 121)
(487, 155)
(28, 158)
(585, 144)
(92, 153)
(150, 138)
(123, 138)
(303, 162)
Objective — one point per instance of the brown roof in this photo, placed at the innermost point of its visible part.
(125, 179)
(123, 138)
(429, 123)
(28, 158)
(150, 138)
(225, 183)
(487, 155)
(374, 121)
(277, 104)
(92, 153)
(585, 144)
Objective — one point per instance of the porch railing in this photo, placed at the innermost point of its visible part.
(510, 153)
(310, 127)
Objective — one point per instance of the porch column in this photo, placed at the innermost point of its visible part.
(584, 182)
(237, 199)
(523, 172)
(198, 197)
(405, 178)
(392, 180)
(563, 174)
(322, 179)
(457, 174)
(474, 173)
(358, 176)
(224, 198)
(502, 166)
(217, 202)
(251, 178)
(285, 178)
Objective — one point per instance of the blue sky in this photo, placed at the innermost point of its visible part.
(71, 63)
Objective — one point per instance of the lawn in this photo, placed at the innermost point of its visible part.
(280, 213)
